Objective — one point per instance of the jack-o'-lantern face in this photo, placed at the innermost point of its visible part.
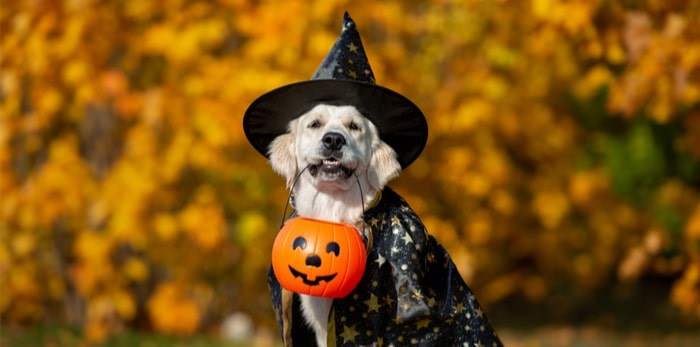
(318, 258)
(312, 260)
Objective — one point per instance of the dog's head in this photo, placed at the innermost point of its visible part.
(336, 143)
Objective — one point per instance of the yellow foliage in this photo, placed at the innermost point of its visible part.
(596, 78)
(135, 269)
(23, 244)
(551, 206)
(21, 282)
(106, 312)
(586, 187)
(685, 294)
(503, 202)
(250, 227)
(479, 228)
(172, 311)
(165, 226)
(93, 247)
(204, 224)
(692, 229)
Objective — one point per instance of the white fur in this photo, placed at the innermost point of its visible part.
(332, 198)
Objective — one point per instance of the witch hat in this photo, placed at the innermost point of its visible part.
(344, 78)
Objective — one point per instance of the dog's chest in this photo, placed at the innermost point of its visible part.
(331, 207)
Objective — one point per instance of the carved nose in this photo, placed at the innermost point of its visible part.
(333, 141)
(313, 260)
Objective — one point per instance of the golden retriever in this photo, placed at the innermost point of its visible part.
(347, 165)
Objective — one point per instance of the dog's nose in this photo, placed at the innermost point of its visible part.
(313, 260)
(333, 141)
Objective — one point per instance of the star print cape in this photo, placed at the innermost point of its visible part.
(410, 294)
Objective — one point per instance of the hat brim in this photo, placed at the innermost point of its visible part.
(400, 122)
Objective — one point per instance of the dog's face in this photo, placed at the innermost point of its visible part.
(333, 141)
(336, 143)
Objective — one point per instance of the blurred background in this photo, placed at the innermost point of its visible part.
(562, 171)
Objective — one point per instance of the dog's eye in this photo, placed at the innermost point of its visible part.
(353, 126)
(315, 124)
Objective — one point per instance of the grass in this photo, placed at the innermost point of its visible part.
(551, 336)
(60, 336)
(567, 336)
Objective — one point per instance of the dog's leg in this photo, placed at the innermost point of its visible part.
(316, 310)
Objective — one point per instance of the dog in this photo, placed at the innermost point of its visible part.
(340, 148)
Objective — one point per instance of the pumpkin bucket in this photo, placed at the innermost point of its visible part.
(318, 258)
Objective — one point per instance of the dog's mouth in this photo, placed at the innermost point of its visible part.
(332, 168)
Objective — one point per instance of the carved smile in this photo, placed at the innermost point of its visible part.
(297, 273)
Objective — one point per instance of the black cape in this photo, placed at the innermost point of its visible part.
(410, 294)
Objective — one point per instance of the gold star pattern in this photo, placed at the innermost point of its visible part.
(352, 74)
(388, 300)
(349, 334)
(372, 304)
(417, 295)
(407, 238)
(423, 323)
(352, 47)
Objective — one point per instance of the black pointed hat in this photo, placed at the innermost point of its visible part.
(344, 78)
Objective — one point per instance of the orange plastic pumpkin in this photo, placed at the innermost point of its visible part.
(318, 258)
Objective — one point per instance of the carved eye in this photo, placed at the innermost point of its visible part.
(333, 247)
(353, 126)
(299, 242)
(315, 124)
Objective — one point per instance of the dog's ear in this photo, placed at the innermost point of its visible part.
(282, 157)
(383, 166)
